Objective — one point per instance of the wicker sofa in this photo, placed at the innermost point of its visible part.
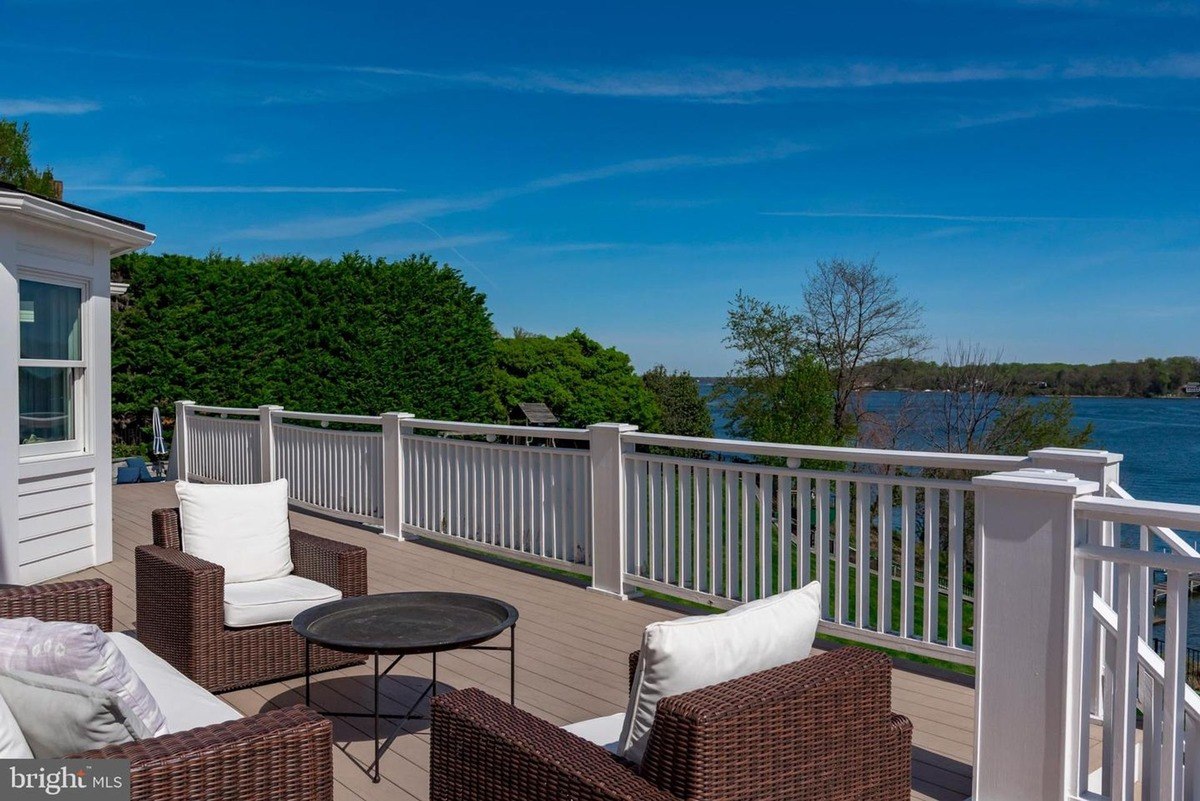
(819, 729)
(180, 614)
(281, 755)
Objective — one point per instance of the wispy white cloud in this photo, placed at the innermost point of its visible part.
(233, 189)
(971, 218)
(21, 107)
(332, 226)
(740, 82)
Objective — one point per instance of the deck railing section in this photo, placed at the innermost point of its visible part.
(222, 445)
(1162, 760)
(464, 483)
(888, 543)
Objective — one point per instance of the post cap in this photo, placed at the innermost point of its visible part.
(1038, 479)
(624, 428)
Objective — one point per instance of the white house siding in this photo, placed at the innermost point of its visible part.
(56, 510)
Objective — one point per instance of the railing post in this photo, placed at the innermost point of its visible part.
(608, 507)
(179, 440)
(393, 473)
(1029, 646)
(266, 443)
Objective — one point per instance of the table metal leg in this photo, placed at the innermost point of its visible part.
(375, 778)
(512, 665)
(307, 671)
(435, 674)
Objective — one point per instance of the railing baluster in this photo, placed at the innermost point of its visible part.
(862, 554)
(746, 539)
(1124, 703)
(954, 570)
(804, 532)
(842, 551)
(784, 526)
(1174, 652)
(932, 564)
(908, 557)
(883, 536)
(823, 543)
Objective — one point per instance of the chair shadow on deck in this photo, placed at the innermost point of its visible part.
(939, 777)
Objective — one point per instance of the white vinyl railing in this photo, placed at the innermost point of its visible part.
(889, 550)
(224, 449)
(1122, 672)
(529, 500)
(1015, 564)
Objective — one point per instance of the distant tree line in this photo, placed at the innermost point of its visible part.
(1148, 377)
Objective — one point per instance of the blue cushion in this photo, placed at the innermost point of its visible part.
(128, 475)
(136, 461)
(147, 476)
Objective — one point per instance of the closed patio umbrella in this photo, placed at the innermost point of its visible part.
(159, 446)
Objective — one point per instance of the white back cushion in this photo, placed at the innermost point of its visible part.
(241, 527)
(12, 741)
(693, 652)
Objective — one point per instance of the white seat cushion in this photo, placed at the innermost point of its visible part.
(12, 741)
(604, 732)
(693, 652)
(184, 703)
(276, 600)
(241, 527)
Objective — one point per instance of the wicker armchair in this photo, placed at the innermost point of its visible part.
(284, 754)
(818, 729)
(181, 616)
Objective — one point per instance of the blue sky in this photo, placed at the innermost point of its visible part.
(1028, 170)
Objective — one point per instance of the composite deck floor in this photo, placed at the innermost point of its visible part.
(572, 647)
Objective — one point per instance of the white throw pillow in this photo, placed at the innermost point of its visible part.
(12, 741)
(693, 652)
(241, 527)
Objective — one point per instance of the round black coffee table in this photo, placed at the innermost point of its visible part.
(399, 624)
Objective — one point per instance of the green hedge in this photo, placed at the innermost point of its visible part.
(355, 336)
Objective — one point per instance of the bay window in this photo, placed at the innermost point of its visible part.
(50, 367)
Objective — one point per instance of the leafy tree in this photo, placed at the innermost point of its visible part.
(854, 315)
(777, 392)
(581, 381)
(16, 166)
(356, 335)
(683, 411)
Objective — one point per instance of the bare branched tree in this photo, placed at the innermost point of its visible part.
(855, 315)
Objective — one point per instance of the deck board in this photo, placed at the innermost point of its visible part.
(572, 647)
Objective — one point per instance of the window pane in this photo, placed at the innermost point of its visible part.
(49, 320)
(47, 397)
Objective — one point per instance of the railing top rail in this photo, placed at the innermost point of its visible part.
(355, 419)
(1167, 535)
(813, 475)
(952, 461)
(478, 429)
(1139, 513)
(1155, 560)
(196, 408)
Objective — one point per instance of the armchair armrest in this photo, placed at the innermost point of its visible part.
(337, 564)
(484, 748)
(282, 754)
(88, 601)
(180, 606)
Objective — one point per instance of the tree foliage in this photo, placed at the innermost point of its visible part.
(355, 336)
(777, 391)
(581, 381)
(16, 165)
(682, 410)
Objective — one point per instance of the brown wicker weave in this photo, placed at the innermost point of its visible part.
(181, 617)
(816, 729)
(283, 755)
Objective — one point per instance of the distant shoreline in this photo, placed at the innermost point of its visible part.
(710, 380)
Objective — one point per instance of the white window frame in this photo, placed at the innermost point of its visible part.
(80, 378)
